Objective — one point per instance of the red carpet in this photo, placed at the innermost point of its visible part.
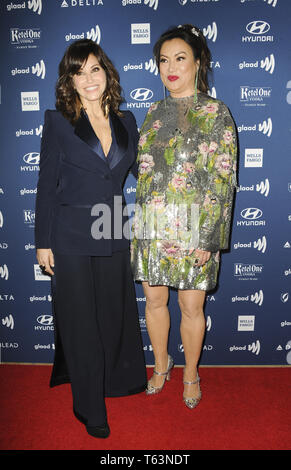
(241, 408)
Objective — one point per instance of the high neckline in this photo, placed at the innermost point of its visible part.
(186, 98)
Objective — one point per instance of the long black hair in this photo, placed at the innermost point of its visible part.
(194, 37)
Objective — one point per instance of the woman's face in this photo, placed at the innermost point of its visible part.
(90, 81)
(178, 68)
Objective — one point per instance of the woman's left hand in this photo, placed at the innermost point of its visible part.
(201, 256)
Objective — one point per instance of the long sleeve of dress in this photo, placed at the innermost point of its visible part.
(219, 153)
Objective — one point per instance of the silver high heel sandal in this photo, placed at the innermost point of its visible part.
(151, 390)
(193, 401)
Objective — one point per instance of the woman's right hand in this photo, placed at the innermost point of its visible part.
(45, 258)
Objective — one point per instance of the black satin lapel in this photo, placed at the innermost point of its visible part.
(121, 136)
(84, 130)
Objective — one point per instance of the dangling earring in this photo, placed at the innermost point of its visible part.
(196, 85)
(165, 95)
(107, 106)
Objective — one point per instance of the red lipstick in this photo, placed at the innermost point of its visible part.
(172, 78)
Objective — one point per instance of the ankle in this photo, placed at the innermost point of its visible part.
(190, 373)
(161, 363)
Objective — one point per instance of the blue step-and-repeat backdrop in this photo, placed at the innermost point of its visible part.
(249, 314)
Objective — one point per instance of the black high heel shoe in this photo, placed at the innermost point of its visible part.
(98, 431)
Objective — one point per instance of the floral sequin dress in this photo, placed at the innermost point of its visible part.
(187, 175)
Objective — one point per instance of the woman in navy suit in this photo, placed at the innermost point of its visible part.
(88, 147)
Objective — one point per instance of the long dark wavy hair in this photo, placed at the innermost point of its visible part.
(67, 99)
(194, 37)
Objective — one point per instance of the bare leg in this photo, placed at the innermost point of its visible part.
(158, 324)
(192, 330)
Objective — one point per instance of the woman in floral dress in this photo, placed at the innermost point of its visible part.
(184, 194)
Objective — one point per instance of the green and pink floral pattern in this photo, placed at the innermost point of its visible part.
(187, 175)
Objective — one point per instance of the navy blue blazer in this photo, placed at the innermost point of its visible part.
(74, 176)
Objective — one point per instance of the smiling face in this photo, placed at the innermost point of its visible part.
(178, 68)
(90, 81)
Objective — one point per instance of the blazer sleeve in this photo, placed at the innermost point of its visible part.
(47, 183)
(135, 137)
(216, 208)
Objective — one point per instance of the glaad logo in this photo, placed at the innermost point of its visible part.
(152, 67)
(149, 65)
(258, 30)
(273, 3)
(261, 244)
(94, 34)
(266, 127)
(208, 323)
(35, 6)
(284, 297)
(212, 92)
(8, 321)
(152, 3)
(4, 273)
(257, 298)
(254, 348)
(268, 64)
(37, 131)
(288, 97)
(210, 31)
(39, 69)
(263, 187)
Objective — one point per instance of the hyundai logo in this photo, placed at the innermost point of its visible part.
(141, 94)
(31, 158)
(258, 27)
(45, 319)
(251, 213)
